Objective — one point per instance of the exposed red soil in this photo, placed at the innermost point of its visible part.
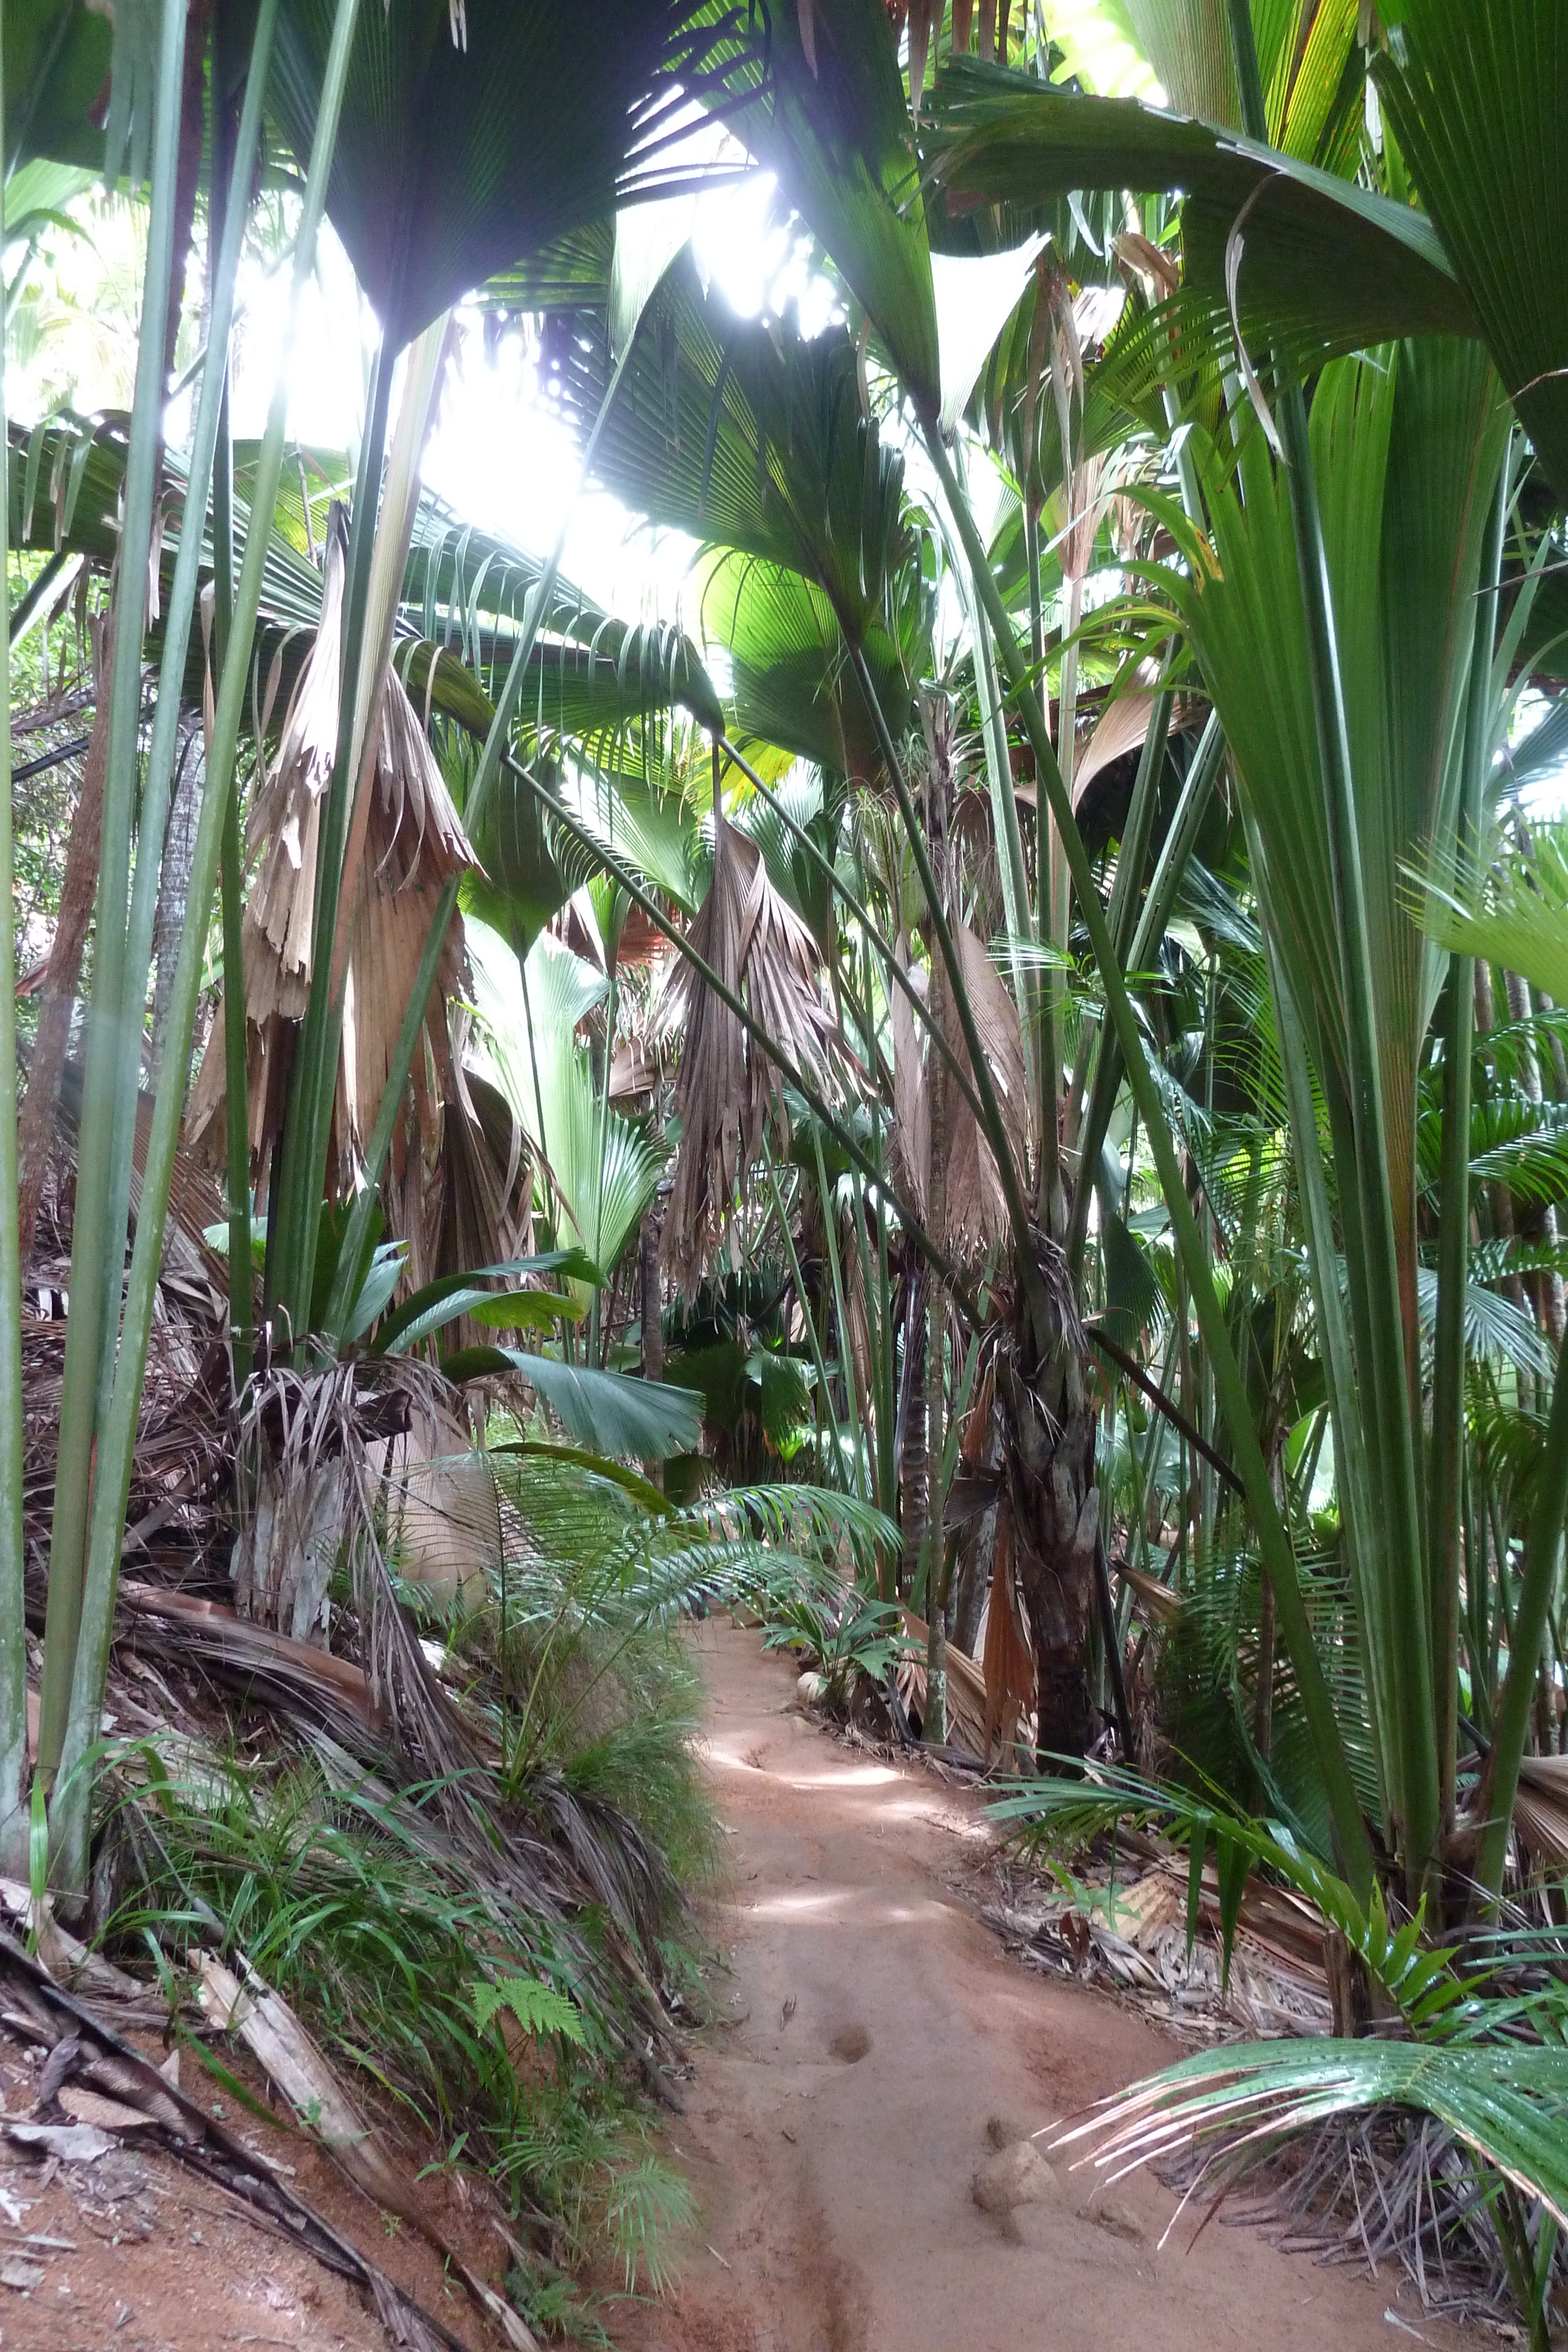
(838, 2115)
(147, 2258)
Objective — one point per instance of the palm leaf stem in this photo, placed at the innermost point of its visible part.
(1278, 1558)
(929, 1250)
(1122, 916)
(70, 1810)
(818, 1359)
(12, 1635)
(1158, 907)
(36, 596)
(600, 1133)
(1034, 1002)
(489, 768)
(1384, 1370)
(98, 1254)
(879, 1329)
(237, 1076)
(154, 814)
(1350, 1477)
(870, 928)
(314, 1075)
(857, 1417)
(1444, 1547)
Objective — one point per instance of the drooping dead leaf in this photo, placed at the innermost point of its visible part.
(405, 840)
(977, 1205)
(758, 947)
(1119, 729)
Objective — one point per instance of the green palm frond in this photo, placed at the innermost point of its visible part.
(1506, 2103)
(1327, 261)
(1517, 918)
(830, 118)
(441, 177)
(1475, 97)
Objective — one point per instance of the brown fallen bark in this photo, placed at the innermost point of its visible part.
(82, 2046)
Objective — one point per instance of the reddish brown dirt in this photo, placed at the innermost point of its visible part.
(147, 2258)
(836, 2119)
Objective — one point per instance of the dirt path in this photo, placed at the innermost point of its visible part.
(833, 2127)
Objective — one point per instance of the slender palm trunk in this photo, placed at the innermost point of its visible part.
(935, 1718)
(913, 1489)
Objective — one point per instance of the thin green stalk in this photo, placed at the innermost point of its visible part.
(841, 1311)
(1149, 928)
(887, 1416)
(818, 1359)
(154, 812)
(237, 1070)
(1350, 1830)
(13, 1625)
(70, 1810)
(114, 1031)
(876, 1324)
(37, 595)
(603, 1134)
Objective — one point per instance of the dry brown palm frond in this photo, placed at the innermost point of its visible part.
(977, 1205)
(762, 952)
(405, 842)
(1120, 728)
(1009, 1658)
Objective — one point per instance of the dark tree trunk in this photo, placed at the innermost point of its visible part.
(1048, 1424)
(977, 1559)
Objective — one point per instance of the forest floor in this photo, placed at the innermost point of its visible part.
(869, 2028)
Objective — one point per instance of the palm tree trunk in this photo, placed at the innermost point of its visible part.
(935, 1718)
(1054, 1508)
(913, 1489)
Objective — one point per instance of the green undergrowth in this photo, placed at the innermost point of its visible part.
(480, 1954)
(437, 1998)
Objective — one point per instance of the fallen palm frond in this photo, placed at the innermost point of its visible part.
(762, 952)
(1394, 2185)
